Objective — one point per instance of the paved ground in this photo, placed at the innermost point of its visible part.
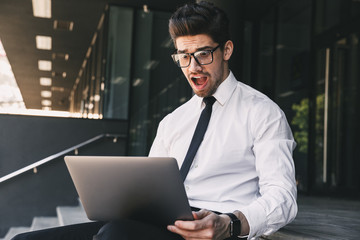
(323, 218)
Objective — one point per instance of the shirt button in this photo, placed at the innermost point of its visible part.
(187, 188)
(196, 166)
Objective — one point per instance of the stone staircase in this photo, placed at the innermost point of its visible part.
(66, 215)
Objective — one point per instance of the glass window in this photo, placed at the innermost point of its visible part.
(336, 115)
(117, 83)
(355, 8)
(321, 98)
(247, 53)
(348, 113)
(293, 45)
(157, 85)
(292, 76)
(265, 73)
(327, 15)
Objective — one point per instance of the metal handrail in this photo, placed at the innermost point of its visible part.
(56, 155)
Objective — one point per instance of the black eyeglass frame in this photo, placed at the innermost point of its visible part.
(193, 54)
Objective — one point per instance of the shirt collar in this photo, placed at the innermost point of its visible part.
(226, 88)
(223, 92)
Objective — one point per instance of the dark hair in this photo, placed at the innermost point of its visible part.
(200, 18)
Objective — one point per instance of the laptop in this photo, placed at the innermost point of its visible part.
(148, 189)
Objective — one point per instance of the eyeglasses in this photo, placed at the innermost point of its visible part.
(203, 57)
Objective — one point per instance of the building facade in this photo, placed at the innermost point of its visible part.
(302, 54)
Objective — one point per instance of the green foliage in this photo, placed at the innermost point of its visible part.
(301, 121)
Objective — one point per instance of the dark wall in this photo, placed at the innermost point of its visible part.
(25, 140)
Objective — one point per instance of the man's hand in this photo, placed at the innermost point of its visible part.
(207, 225)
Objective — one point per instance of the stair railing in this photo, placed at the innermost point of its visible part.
(75, 148)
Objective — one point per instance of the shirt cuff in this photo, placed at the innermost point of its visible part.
(256, 217)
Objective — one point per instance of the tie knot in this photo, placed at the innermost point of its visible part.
(209, 101)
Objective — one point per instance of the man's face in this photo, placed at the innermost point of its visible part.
(203, 79)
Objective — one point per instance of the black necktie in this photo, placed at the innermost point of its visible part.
(198, 136)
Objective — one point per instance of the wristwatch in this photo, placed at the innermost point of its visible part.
(235, 225)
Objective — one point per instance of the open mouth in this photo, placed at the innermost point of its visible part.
(199, 80)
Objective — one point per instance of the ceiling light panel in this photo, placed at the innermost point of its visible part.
(42, 8)
(46, 108)
(44, 81)
(46, 103)
(46, 94)
(45, 65)
(97, 98)
(43, 42)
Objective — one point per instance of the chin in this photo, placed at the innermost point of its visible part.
(202, 94)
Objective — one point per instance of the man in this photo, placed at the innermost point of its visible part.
(243, 166)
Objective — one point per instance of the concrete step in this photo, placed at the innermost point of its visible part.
(66, 215)
(39, 223)
(14, 231)
(71, 215)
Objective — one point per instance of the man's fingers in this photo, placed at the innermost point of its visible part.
(201, 214)
(191, 234)
(195, 216)
(203, 227)
(190, 225)
(204, 219)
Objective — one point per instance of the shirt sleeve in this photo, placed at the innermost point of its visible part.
(273, 147)
(158, 148)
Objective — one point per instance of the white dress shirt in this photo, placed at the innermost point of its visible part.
(244, 161)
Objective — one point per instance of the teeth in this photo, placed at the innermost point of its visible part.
(197, 79)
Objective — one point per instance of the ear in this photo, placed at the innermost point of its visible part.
(228, 50)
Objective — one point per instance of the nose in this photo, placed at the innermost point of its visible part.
(194, 65)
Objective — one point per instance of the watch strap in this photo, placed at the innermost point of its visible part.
(235, 225)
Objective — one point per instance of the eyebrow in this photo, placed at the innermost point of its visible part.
(198, 49)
